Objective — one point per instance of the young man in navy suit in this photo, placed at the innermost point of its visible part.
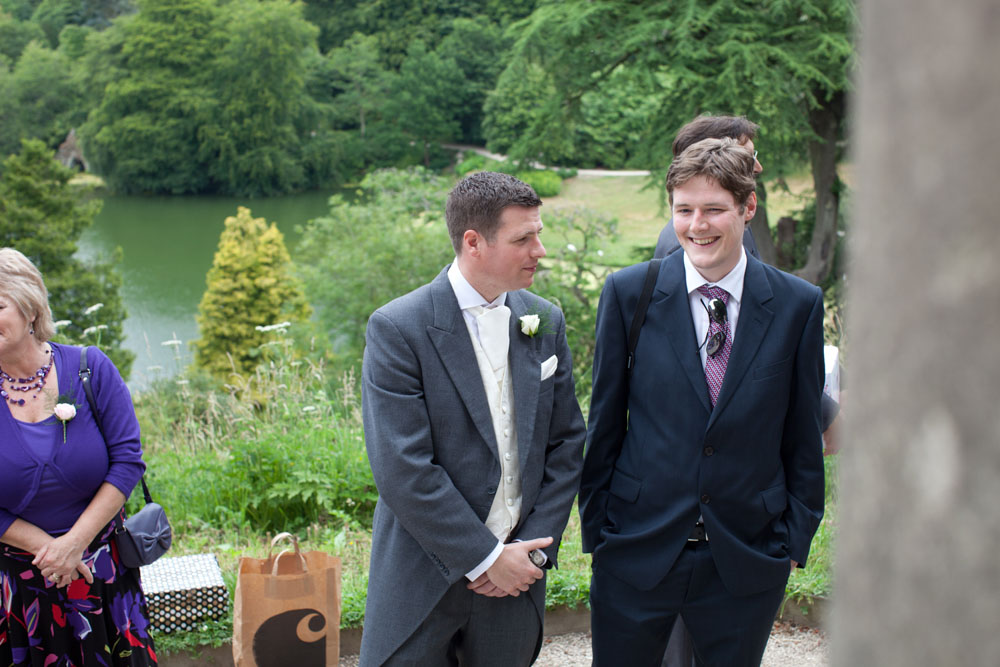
(703, 479)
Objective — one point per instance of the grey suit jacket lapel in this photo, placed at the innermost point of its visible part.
(525, 376)
(454, 346)
(671, 296)
(755, 319)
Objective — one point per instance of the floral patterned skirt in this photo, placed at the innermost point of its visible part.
(103, 623)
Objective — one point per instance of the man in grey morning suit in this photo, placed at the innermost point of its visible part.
(475, 440)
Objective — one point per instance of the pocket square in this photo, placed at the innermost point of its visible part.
(549, 367)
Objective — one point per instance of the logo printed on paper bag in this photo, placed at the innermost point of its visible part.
(291, 637)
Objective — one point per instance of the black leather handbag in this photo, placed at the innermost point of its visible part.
(146, 535)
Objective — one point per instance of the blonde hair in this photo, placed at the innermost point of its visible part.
(22, 283)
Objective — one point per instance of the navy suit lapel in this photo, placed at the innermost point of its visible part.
(525, 368)
(755, 319)
(670, 297)
(450, 336)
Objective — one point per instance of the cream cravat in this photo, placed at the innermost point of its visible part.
(494, 333)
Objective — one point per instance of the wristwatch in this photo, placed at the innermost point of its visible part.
(538, 558)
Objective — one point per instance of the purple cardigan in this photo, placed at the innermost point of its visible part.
(52, 492)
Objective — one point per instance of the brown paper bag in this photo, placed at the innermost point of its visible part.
(287, 609)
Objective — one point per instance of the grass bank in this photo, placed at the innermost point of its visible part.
(639, 204)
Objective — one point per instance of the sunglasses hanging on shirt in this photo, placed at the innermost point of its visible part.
(713, 343)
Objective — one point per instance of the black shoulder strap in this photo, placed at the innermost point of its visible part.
(85, 380)
(640, 311)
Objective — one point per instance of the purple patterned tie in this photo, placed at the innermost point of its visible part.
(715, 367)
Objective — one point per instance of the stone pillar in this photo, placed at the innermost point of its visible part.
(918, 571)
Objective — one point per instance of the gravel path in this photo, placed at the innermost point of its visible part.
(790, 646)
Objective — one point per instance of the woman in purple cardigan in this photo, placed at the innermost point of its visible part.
(65, 597)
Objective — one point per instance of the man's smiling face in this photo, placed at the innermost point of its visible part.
(709, 225)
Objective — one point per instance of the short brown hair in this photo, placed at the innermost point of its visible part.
(714, 127)
(22, 283)
(478, 200)
(722, 160)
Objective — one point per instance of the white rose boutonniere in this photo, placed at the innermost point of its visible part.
(530, 324)
(64, 412)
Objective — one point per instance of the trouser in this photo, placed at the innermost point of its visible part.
(473, 630)
(631, 626)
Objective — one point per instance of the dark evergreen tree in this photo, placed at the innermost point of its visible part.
(785, 64)
(43, 216)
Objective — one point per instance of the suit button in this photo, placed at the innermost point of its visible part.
(706, 499)
(491, 490)
(709, 451)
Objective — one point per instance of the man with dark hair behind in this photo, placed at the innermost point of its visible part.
(475, 438)
(703, 479)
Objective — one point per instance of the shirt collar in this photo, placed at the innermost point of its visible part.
(466, 294)
(732, 282)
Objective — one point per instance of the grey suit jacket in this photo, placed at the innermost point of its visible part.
(434, 456)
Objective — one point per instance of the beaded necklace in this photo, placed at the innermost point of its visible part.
(35, 381)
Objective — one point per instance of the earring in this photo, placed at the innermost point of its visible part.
(31, 331)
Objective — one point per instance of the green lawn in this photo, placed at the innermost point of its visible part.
(636, 202)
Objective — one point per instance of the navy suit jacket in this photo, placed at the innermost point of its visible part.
(659, 455)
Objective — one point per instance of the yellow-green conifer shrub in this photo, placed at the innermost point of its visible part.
(249, 287)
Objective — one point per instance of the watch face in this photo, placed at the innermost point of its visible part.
(537, 557)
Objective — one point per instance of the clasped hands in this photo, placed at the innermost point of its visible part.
(511, 573)
(60, 561)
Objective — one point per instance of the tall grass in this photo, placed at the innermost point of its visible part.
(271, 451)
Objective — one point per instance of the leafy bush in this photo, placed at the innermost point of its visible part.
(545, 183)
(572, 278)
(367, 252)
(470, 163)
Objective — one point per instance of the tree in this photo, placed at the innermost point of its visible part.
(425, 98)
(249, 288)
(784, 64)
(253, 143)
(198, 97)
(143, 135)
(366, 253)
(41, 99)
(360, 80)
(53, 15)
(16, 34)
(516, 106)
(43, 216)
(477, 46)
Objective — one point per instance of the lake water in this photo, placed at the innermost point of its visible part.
(168, 245)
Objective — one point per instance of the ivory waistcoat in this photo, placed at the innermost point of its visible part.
(506, 508)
